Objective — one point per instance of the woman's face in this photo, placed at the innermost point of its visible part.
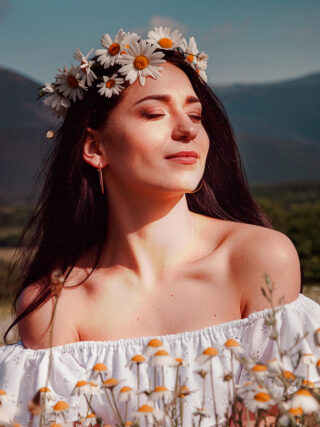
(151, 123)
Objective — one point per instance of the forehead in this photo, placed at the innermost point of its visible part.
(172, 81)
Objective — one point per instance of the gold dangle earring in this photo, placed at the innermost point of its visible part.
(101, 179)
(198, 188)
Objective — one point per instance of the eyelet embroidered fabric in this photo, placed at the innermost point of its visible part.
(23, 371)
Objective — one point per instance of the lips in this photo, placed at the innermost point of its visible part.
(183, 154)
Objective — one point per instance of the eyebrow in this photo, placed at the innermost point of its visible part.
(167, 98)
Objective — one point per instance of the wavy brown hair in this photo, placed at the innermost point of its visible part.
(69, 219)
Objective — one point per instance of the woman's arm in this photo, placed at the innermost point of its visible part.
(34, 329)
(264, 251)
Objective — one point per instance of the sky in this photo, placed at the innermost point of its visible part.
(248, 41)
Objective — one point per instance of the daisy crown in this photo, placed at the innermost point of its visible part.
(134, 57)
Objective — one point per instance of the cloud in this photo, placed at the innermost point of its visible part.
(157, 21)
(4, 8)
(225, 32)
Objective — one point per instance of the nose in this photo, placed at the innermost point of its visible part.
(184, 129)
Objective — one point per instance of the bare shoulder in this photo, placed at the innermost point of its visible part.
(34, 328)
(257, 251)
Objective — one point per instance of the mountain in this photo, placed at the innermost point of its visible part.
(277, 128)
(287, 110)
(19, 108)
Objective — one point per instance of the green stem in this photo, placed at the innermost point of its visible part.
(116, 406)
(213, 394)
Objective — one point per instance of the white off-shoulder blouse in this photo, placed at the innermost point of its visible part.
(23, 371)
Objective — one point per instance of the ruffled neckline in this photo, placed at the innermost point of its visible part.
(169, 338)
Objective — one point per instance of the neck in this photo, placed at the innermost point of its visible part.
(149, 235)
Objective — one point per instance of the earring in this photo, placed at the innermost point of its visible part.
(101, 179)
(198, 188)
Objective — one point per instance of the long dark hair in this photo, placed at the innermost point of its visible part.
(69, 219)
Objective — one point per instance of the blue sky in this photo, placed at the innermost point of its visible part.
(247, 40)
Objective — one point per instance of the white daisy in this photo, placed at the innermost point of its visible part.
(191, 51)
(181, 362)
(303, 399)
(129, 38)
(202, 74)
(259, 400)
(58, 103)
(206, 355)
(81, 388)
(90, 420)
(87, 75)
(165, 38)
(98, 370)
(137, 359)
(202, 60)
(112, 48)
(4, 397)
(147, 412)
(275, 366)
(162, 358)
(69, 83)
(259, 371)
(110, 383)
(125, 394)
(141, 61)
(111, 85)
(152, 347)
(161, 392)
(233, 345)
(46, 395)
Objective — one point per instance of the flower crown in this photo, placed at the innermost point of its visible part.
(137, 58)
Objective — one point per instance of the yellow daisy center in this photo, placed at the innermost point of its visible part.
(318, 363)
(125, 389)
(183, 391)
(110, 84)
(145, 408)
(99, 367)
(308, 383)
(162, 353)
(155, 342)
(44, 390)
(165, 42)
(114, 49)
(91, 416)
(231, 342)
(2, 393)
(296, 412)
(72, 82)
(190, 57)
(138, 358)
(262, 397)
(179, 360)
(56, 425)
(288, 375)
(141, 62)
(111, 382)
(259, 368)
(303, 393)
(129, 423)
(210, 351)
(160, 388)
(81, 383)
(61, 406)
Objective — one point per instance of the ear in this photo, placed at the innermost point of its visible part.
(93, 151)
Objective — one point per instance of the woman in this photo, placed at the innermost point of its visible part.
(147, 213)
